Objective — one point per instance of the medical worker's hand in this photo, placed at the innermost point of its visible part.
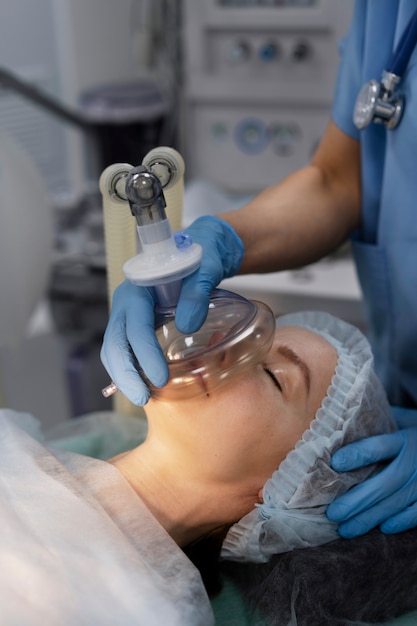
(130, 333)
(388, 499)
(222, 257)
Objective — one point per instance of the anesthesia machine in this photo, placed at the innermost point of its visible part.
(237, 332)
(259, 79)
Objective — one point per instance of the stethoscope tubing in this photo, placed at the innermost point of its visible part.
(404, 48)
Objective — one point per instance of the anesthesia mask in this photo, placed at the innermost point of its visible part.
(237, 333)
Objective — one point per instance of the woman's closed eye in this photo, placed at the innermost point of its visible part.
(273, 378)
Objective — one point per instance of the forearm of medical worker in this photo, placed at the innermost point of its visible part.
(388, 499)
(308, 214)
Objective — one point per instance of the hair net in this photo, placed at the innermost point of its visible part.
(295, 498)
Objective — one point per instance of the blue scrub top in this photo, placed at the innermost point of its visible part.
(385, 248)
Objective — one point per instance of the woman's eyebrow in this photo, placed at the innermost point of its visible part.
(292, 356)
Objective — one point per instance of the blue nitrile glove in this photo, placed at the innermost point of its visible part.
(388, 499)
(222, 256)
(130, 331)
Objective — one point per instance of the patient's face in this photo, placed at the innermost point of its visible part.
(246, 428)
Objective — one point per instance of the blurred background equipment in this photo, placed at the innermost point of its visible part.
(91, 82)
(259, 80)
(109, 62)
(27, 379)
(241, 88)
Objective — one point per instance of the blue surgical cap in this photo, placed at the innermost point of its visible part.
(295, 498)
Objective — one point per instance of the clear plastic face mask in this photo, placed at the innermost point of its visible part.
(236, 335)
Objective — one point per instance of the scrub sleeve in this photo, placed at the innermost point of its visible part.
(385, 247)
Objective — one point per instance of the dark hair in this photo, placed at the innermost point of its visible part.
(355, 582)
(205, 553)
(367, 580)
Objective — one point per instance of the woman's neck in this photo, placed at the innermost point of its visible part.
(180, 493)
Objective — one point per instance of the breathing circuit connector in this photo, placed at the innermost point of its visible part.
(145, 196)
(161, 264)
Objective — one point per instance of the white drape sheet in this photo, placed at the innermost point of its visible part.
(77, 546)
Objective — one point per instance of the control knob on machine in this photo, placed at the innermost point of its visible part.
(268, 52)
(302, 51)
(239, 52)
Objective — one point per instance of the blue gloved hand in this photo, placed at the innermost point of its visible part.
(388, 499)
(222, 256)
(130, 333)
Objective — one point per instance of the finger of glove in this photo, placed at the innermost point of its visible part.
(367, 451)
(405, 520)
(222, 256)
(394, 477)
(358, 526)
(395, 505)
(118, 360)
(195, 295)
(405, 418)
(115, 353)
(140, 333)
(129, 334)
(364, 496)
